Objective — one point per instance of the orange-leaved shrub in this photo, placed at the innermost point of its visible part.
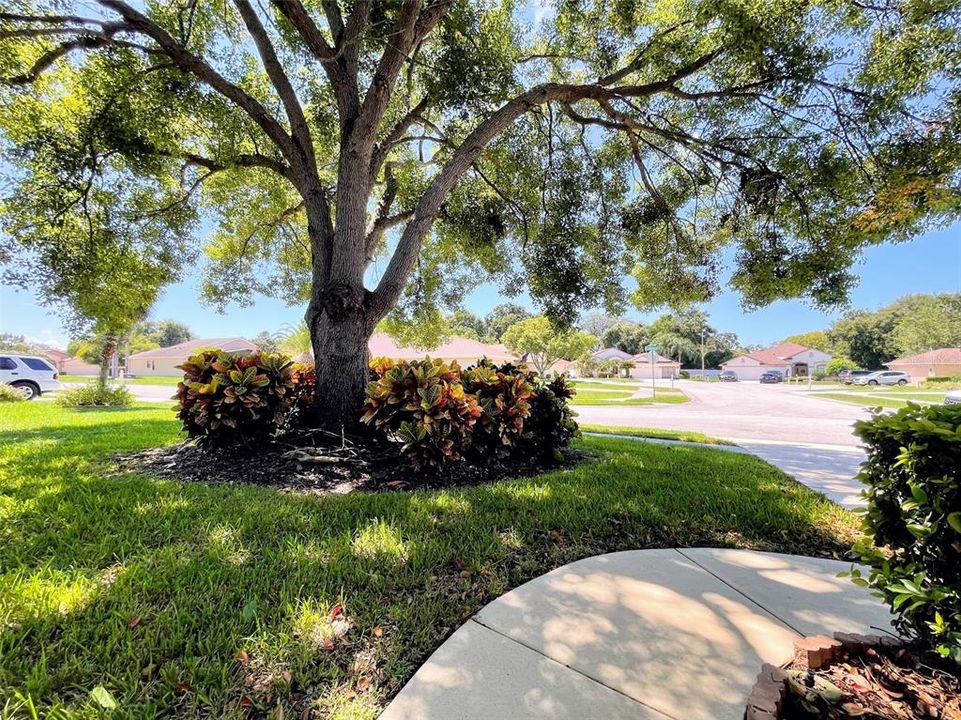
(441, 413)
(239, 398)
(504, 393)
(422, 404)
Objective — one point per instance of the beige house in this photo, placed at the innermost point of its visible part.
(790, 359)
(934, 363)
(464, 350)
(164, 361)
(661, 367)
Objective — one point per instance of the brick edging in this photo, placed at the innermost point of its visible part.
(814, 653)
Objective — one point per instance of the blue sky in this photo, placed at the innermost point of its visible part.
(931, 263)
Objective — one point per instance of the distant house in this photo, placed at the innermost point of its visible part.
(464, 350)
(163, 361)
(791, 359)
(610, 353)
(661, 367)
(76, 366)
(934, 363)
(57, 357)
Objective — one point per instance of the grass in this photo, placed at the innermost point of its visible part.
(684, 435)
(865, 400)
(191, 600)
(591, 395)
(172, 381)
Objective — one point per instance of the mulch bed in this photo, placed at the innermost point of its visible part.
(321, 465)
(856, 677)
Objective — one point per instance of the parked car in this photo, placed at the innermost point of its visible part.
(771, 376)
(952, 397)
(727, 376)
(884, 377)
(850, 376)
(29, 374)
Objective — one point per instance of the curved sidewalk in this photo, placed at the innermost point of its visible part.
(645, 635)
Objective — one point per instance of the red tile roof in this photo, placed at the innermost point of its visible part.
(182, 350)
(382, 345)
(778, 353)
(941, 356)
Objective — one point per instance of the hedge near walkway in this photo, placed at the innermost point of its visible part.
(153, 597)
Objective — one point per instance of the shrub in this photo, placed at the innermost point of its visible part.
(837, 364)
(10, 394)
(913, 520)
(237, 399)
(550, 425)
(422, 404)
(504, 394)
(94, 395)
(684, 375)
(943, 380)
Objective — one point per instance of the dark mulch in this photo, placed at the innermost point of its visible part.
(879, 685)
(321, 465)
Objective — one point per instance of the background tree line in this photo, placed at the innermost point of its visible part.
(910, 325)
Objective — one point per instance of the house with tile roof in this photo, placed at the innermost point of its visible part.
(164, 361)
(465, 351)
(934, 363)
(791, 359)
(651, 364)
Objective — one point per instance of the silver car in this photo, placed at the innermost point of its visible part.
(884, 377)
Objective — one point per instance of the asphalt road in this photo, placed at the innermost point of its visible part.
(807, 437)
(742, 411)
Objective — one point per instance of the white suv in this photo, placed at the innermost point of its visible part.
(883, 377)
(30, 374)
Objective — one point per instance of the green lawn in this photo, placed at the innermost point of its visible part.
(172, 381)
(188, 600)
(864, 399)
(685, 435)
(594, 395)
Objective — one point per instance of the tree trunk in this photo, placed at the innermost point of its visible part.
(107, 350)
(340, 329)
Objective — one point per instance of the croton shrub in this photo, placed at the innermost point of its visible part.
(913, 520)
(240, 399)
(441, 413)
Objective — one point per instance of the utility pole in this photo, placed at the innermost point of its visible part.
(702, 352)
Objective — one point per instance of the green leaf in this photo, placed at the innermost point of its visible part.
(103, 698)
(954, 520)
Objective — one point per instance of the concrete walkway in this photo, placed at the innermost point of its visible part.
(639, 635)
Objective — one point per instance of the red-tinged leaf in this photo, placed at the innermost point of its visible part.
(134, 622)
(184, 687)
(336, 611)
(363, 684)
(329, 644)
(245, 702)
(242, 657)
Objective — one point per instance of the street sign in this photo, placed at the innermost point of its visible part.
(650, 348)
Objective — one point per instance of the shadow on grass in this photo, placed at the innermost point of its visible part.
(208, 571)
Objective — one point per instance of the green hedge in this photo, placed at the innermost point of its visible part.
(913, 520)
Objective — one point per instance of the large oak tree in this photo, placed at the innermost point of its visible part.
(559, 149)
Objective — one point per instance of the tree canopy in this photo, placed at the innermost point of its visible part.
(542, 343)
(374, 158)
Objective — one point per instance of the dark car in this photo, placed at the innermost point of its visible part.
(853, 375)
(727, 376)
(771, 376)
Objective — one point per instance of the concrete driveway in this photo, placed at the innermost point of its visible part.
(810, 438)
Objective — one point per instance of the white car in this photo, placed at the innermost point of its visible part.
(883, 377)
(952, 397)
(30, 374)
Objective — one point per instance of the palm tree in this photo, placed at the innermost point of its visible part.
(295, 339)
